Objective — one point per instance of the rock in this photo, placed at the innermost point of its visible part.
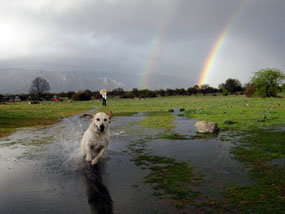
(206, 127)
(34, 102)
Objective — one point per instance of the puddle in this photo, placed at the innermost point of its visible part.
(52, 178)
(209, 155)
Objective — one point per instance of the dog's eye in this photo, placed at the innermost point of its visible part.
(105, 119)
(98, 119)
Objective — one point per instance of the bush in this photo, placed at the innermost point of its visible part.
(225, 92)
(283, 87)
(82, 96)
(267, 82)
(249, 91)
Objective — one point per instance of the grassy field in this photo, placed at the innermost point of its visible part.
(254, 120)
(22, 114)
(229, 112)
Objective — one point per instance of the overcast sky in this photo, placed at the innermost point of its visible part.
(175, 37)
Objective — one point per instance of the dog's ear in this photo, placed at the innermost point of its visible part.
(89, 115)
(110, 115)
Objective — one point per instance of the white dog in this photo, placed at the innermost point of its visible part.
(96, 138)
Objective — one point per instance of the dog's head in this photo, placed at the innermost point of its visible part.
(100, 120)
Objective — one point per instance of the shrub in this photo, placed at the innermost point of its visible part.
(225, 92)
(82, 96)
(267, 82)
(249, 91)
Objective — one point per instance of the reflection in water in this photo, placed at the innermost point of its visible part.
(99, 198)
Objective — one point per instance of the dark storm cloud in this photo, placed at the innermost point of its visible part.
(118, 35)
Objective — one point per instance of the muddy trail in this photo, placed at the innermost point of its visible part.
(41, 170)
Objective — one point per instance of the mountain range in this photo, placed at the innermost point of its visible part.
(15, 81)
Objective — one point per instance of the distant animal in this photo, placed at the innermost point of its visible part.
(95, 139)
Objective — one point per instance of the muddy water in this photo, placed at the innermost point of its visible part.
(41, 170)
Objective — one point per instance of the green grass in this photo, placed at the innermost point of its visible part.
(260, 146)
(231, 112)
(158, 120)
(243, 111)
(267, 194)
(239, 112)
(17, 115)
(228, 112)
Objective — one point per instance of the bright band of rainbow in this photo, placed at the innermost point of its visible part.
(208, 66)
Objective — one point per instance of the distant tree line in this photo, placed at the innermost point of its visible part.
(265, 83)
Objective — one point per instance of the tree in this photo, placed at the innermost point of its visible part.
(267, 82)
(204, 88)
(117, 92)
(83, 96)
(283, 87)
(233, 85)
(161, 92)
(39, 87)
(221, 86)
(135, 92)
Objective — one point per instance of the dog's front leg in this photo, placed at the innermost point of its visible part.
(98, 157)
(89, 154)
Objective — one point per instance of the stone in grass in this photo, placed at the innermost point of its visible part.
(34, 102)
(206, 127)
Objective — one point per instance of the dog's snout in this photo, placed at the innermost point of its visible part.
(102, 127)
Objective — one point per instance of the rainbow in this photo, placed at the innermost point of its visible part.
(150, 64)
(209, 64)
(154, 51)
(212, 57)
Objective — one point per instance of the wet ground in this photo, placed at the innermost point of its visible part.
(41, 170)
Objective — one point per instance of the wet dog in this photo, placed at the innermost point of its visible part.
(96, 138)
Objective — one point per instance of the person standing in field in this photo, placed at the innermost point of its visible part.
(104, 96)
(103, 93)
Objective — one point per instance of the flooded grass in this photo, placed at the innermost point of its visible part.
(260, 146)
(8, 144)
(33, 142)
(267, 194)
(176, 136)
(168, 178)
